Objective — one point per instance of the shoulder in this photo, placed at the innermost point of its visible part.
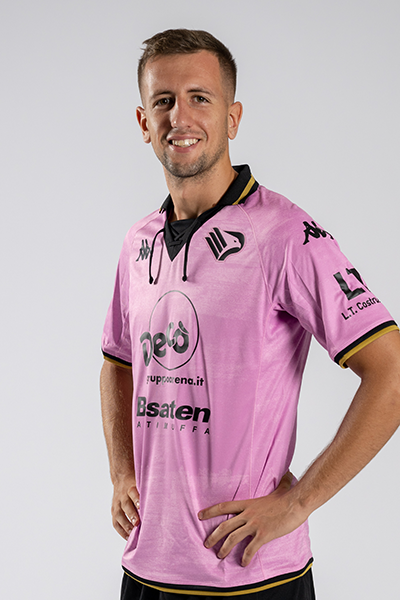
(274, 216)
(290, 242)
(146, 228)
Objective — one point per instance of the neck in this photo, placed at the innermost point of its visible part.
(192, 196)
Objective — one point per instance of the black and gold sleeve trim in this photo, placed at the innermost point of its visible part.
(117, 361)
(363, 341)
(216, 591)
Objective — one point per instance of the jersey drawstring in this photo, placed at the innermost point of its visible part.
(151, 279)
(185, 259)
(184, 277)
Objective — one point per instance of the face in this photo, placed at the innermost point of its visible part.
(187, 115)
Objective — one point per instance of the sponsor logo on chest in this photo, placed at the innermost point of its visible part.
(173, 333)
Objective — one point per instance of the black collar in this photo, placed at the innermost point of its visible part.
(238, 191)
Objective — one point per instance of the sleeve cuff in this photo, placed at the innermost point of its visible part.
(117, 361)
(363, 341)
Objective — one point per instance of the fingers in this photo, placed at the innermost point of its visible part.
(251, 549)
(125, 515)
(123, 525)
(235, 530)
(225, 529)
(223, 508)
(233, 527)
(262, 519)
(134, 497)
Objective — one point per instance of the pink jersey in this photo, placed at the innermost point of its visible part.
(217, 343)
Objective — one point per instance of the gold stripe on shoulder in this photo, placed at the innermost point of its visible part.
(223, 594)
(246, 190)
(365, 343)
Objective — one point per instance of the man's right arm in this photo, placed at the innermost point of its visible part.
(116, 389)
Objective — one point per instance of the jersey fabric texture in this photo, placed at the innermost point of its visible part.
(215, 321)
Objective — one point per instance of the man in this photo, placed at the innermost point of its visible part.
(205, 342)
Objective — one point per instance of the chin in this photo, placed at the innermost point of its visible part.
(184, 171)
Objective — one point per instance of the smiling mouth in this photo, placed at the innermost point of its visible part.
(184, 143)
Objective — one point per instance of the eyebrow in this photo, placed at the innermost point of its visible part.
(159, 93)
(201, 91)
(191, 91)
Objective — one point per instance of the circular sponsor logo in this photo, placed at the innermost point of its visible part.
(173, 332)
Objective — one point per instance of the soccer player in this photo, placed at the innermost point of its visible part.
(216, 298)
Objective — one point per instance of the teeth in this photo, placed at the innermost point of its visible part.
(184, 143)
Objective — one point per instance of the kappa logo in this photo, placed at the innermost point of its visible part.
(315, 232)
(144, 251)
(224, 243)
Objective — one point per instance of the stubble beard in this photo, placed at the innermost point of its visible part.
(198, 169)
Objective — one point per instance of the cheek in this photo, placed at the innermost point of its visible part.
(220, 130)
(152, 132)
(159, 128)
(217, 127)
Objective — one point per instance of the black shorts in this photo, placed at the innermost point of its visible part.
(301, 588)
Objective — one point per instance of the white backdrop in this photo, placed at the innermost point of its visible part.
(320, 86)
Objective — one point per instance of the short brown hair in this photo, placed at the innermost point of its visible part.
(188, 41)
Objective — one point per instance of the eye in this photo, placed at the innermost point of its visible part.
(163, 102)
(200, 99)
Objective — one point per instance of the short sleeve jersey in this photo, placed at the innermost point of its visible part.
(216, 327)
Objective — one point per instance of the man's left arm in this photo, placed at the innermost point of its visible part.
(371, 420)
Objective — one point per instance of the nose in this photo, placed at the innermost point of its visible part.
(180, 115)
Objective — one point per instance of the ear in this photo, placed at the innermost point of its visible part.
(142, 120)
(234, 118)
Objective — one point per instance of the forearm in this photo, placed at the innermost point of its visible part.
(116, 390)
(371, 420)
